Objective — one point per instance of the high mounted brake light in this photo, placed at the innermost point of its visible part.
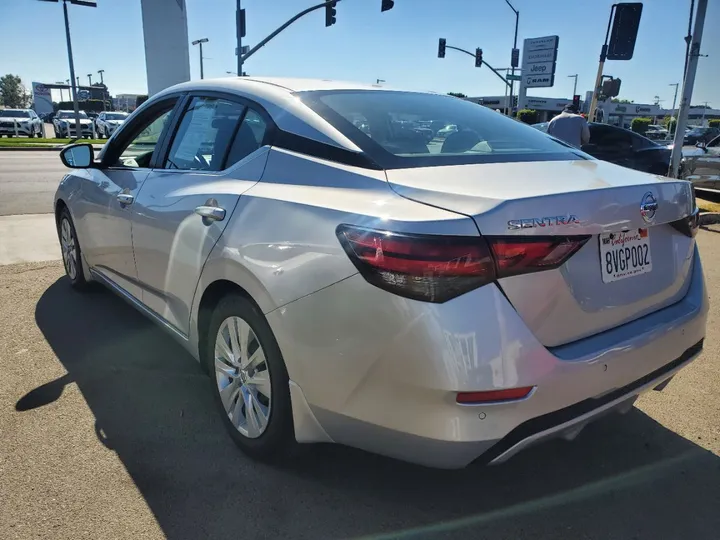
(436, 268)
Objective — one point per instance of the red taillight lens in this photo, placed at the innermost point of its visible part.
(494, 396)
(436, 268)
(520, 255)
(424, 267)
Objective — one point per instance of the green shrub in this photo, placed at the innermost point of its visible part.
(669, 124)
(528, 116)
(714, 123)
(640, 125)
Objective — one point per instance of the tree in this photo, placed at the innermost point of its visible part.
(669, 123)
(13, 92)
(457, 94)
(618, 100)
(640, 125)
(528, 116)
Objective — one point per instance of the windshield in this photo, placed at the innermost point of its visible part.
(115, 116)
(408, 129)
(8, 113)
(65, 114)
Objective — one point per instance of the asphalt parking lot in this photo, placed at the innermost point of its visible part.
(107, 431)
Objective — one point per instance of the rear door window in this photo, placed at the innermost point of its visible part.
(249, 137)
(204, 134)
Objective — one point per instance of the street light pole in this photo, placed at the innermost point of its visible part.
(73, 88)
(574, 84)
(100, 72)
(200, 42)
(512, 80)
(89, 79)
(672, 112)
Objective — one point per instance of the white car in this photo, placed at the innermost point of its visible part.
(20, 122)
(438, 303)
(64, 124)
(107, 122)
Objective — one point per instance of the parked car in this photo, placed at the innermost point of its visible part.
(447, 131)
(700, 134)
(657, 132)
(701, 164)
(20, 122)
(624, 147)
(107, 122)
(435, 306)
(64, 124)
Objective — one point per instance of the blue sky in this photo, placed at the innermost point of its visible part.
(399, 46)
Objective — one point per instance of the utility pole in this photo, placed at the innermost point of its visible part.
(515, 56)
(688, 85)
(89, 79)
(575, 84)
(200, 42)
(102, 80)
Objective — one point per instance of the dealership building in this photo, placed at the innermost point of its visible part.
(618, 114)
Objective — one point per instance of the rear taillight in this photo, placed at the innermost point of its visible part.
(435, 268)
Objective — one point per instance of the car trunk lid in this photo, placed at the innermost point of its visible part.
(573, 198)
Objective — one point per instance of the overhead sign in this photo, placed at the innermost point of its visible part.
(512, 77)
(538, 66)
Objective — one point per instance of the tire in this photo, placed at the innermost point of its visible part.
(276, 440)
(72, 256)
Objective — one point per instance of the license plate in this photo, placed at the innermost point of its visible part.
(624, 254)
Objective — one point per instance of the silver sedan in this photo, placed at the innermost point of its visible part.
(438, 301)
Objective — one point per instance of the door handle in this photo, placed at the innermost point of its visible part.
(211, 213)
(125, 198)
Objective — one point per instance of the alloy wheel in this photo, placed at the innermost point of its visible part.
(67, 245)
(242, 377)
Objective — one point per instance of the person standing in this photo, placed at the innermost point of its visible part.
(570, 127)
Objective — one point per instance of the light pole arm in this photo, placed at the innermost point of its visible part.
(283, 27)
(484, 62)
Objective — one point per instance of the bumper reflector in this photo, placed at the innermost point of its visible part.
(494, 396)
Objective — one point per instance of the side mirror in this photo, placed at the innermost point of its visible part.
(701, 144)
(78, 156)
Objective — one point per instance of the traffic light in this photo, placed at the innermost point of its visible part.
(478, 57)
(241, 23)
(576, 101)
(330, 14)
(514, 102)
(624, 31)
(610, 88)
(386, 5)
(441, 48)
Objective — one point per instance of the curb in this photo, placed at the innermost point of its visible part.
(40, 148)
(709, 218)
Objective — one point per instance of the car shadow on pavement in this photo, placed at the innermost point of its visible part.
(623, 477)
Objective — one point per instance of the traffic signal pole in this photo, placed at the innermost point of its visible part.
(503, 79)
(264, 42)
(601, 65)
(687, 90)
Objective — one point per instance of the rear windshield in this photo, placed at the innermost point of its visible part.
(408, 129)
(116, 116)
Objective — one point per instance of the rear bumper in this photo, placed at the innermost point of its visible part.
(381, 373)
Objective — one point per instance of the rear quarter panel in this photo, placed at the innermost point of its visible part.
(280, 244)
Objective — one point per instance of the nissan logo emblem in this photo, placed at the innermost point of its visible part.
(648, 207)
